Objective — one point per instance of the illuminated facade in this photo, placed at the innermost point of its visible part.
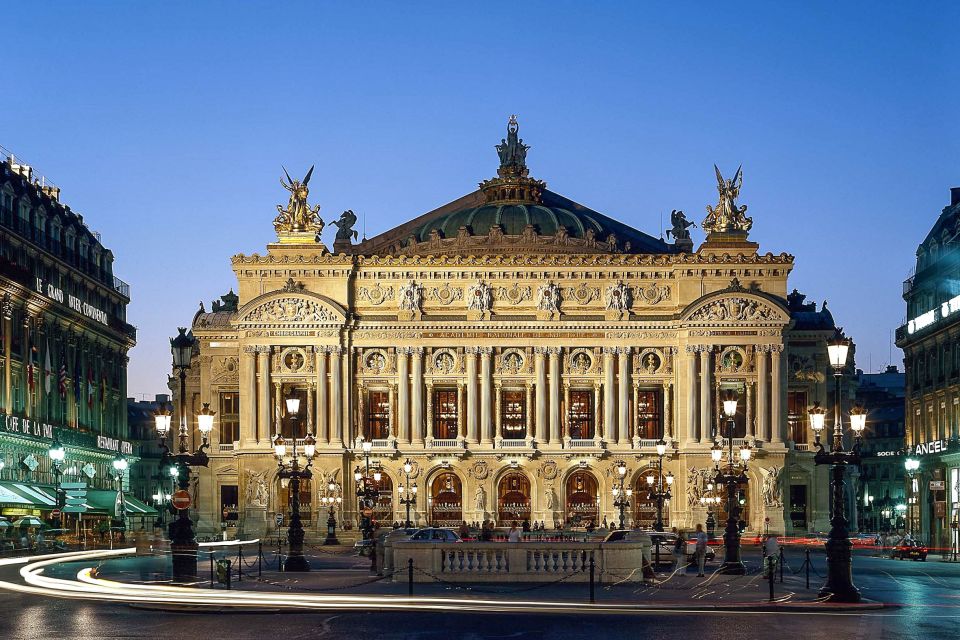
(514, 345)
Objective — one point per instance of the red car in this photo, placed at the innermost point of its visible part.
(909, 550)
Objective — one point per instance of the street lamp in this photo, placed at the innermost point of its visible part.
(292, 471)
(183, 542)
(620, 498)
(408, 492)
(660, 494)
(911, 465)
(119, 467)
(839, 586)
(367, 494)
(733, 475)
(330, 500)
(57, 454)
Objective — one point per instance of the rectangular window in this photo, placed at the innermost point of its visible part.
(797, 416)
(293, 426)
(581, 425)
(730, 390)
(229, 498)
(650, 413)
(378, 415)
(229, 417)
(513, 413)
(445, 414)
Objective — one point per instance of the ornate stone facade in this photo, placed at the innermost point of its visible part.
(513, 377)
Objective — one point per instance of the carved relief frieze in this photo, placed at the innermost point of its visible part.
(291, 309)
(653, 293)
(445, 294)
(734, 309)
(582, 294)
(514, 294)
(581, 362)
(511, 362)
(377, 294)
(224, 370)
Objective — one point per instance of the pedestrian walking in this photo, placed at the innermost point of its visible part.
(771, 554)
(701, 549)
(514, 534)
(679, 550)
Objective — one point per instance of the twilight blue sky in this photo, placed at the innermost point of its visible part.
(165, 124)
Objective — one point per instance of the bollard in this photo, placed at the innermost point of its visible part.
(771, 577)
(211, 569)
(239, 562)
(259, 559)
(781, 566)
(807, 562)
(593, 566)
(410, 577)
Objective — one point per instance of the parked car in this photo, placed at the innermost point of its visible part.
(432, 534)
(909, 550)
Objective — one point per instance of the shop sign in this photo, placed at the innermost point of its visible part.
(939, 509)
(934, 446)
(26, 427)
(938, 485)
(887, 454)
(112, 444)
(35, 429)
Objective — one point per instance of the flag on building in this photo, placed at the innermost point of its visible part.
(47, 369)
(91, 387)
(31, 368)
(77, 380)
(103, 389)
(62, 375)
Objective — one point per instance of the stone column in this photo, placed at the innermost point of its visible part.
(554, 358)
(428, 427)
(565, 422)
(608, 430)
(748, 391)
(416, 420)
(277, 405)
(691, 437)
(623, 412)
(392, 413)
(403, 395)
(763, 380)
(667, 410)
(460, 396)
(542, 427)
(311, 427)
(528, 415)
(346, 423)
(336, 397)
(248, 396)
(498, 411)
(473, 434)
(264, 429)
(486, 399)
(776, 393)
(323, 408)
(706, 385)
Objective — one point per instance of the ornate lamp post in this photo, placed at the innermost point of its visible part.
(911, 465)
(183, 542)
(659, 494)
(408, 492)
(292, 471)
(57, 454)
(119, 467)
(367, 495)
(733, 475)
(330, 500)
(839, 586)
(621, 498)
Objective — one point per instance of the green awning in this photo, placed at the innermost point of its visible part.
(108, 502)
(26, 495)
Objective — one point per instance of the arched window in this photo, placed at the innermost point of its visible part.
(582, 499)
(446, 500)
(513, 498)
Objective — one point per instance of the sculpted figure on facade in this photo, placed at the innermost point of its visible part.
(734, 310)
(551, 499)
(345, 230)
(257, 494)
(480, 298)
(480, 500)
(679, 225)
(298, 217)
(696, 485)
(618, 297)
(548, 300)
(727, 216)
(771, 487)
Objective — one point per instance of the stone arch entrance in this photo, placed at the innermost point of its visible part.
(582, 499)
(645, 504)
(383, 508)
(513, 498)
(446, 500)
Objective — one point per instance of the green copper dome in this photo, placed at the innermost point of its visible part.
(512, 219)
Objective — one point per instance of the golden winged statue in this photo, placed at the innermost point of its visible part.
(727, 216)
(298, 217)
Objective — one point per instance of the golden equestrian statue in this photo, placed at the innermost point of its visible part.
(298, 217)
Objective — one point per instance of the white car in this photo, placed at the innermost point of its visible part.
(433, 535)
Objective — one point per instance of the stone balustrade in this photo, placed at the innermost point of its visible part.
(515, 561)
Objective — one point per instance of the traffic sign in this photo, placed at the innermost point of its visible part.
(180, 499)
(55, 513)
(75, 502)
(279, 519)
(75, 509)
(73, 485)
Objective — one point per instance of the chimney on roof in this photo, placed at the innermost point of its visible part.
(20, 169)
(51, 191)
(954, 196)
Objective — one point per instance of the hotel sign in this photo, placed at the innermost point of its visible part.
(932, 447)
(56, 294)
(36, 430)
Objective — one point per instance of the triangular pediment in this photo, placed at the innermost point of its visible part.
(291, 308)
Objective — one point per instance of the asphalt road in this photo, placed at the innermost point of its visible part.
(928, 594)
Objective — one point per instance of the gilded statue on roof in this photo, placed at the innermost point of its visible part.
(298, 217)
(727, 216)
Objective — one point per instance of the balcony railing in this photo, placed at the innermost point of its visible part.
(513, 443)
(226, 446)
(445, 443)
(583, 444)
(121, 287)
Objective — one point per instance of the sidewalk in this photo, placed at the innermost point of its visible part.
(714, 592)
